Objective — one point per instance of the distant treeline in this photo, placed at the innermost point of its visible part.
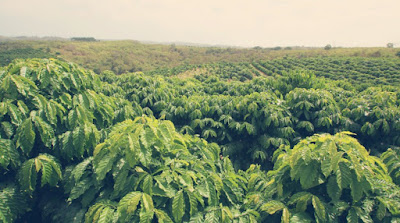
(85, 39)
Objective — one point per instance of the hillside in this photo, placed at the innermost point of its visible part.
(360, 72)
(131, 56)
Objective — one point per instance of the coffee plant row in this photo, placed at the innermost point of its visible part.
(80, 147)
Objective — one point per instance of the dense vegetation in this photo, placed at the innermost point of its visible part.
(8, 55)
(361, 72)
(156, 147)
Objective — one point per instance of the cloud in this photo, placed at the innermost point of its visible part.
(235, 22)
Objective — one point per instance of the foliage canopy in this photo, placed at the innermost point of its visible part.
(80, 147)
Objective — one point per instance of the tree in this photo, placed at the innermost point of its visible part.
(84, 39)
(277, 48)
(390, 45)
(328, 47)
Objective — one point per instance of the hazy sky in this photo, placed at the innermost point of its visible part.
(231, 22)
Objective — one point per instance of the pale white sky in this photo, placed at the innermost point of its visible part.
(231, 22)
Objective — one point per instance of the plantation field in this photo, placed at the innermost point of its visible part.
(131, 56)
(280, 137)
(359, 71)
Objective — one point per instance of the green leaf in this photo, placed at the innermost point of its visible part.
(9, 156)
(123, 180)
(335, 161)
(198, 218)
(103, 162)
(319, 208)
(343, 176)
(162, 217)
(193, 203)
(395, 220)
(106, 215)
(26, 136)
(47, 175)
(23, 108)
(285, 216)
(51, 169)
(78, 137)
(100, 212)
(80, 188)
(51, 112)
(79, 169)
(381, 212)
(8, 129)
(45, 130)
(326, 166)
(308, 175)
(166, 188)
(89, 197)
(23, 84)
(147, 203)
(128, 204)
(212, 198)
(165, 130)
(145, 216)
(226, 214)
(148, 137)
(333, 189)
(68, 150)
(27, 176)
(66, 100)
(273, 206)
(45, 78)
(13, 203)
(228, 189)
(212, 217)
(148, 184)
(73, 118)
(178, 206)
(302, 199)
(356, 189)
(352, 216)
(3, 108)
(301, 218)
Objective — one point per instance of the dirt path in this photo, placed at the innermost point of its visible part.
(255, 68)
